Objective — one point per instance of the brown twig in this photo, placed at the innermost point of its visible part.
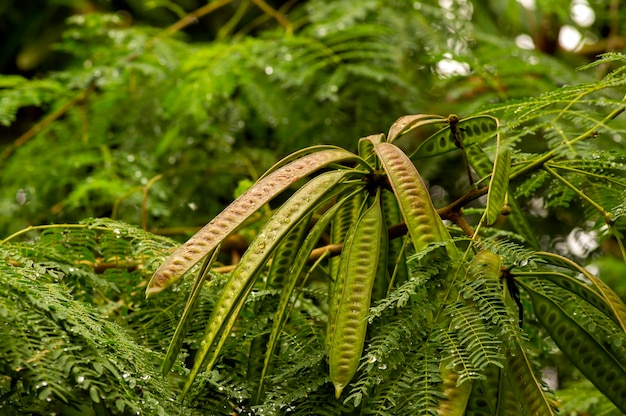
(186, 20)
(452, 212)
(279, 17)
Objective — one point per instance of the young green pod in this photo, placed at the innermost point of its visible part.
(396, 256)
(339, 268)
(351, 316)
(421, 217)
(205, 240)
(286, 251)
(475, 130)
(609, 297)
(405, 124)
(499, 184)
(183, 324)
(300, 204)
(482, 165)
(487, 263)
(297, 266)
(599, 365)
(525, 383)
(456, 395)
(492, 396)
(346, 216)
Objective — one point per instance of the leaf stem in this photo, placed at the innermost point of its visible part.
(537, 164)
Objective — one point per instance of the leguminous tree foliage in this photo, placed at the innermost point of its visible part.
(349, 207)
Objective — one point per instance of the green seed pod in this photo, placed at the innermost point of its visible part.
(297, 267)
(421, 217)
(483, 167)
(233, 296)
(286, 251)
(488, 264)
(405, 124)
(456, 396)
(396, 257)
(492, 396)
(343, 220)
(475, 130)
(351, 317)
(525, 383)
(366, 147)
(499, 184)
(604, 369)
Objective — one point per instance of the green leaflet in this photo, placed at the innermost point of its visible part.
(475, 130)
(594, 361)
(205, 240)
(241, 281)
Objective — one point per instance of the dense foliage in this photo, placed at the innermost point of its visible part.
(137, 122)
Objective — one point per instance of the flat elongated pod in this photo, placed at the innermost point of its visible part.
(396, 256)
(351, 316)
(482, 165)
(422, 220)
(594, 361)
(456, 395)
(487, 264)
(381, 281)
(405, 124)
(339, 279)
(298, 264)
(611, 299)
(348, 213)
(580, 289)
(499, 183)
(286, 251)
(366, 147)
(183, 323)
(522, 379)
(475, 130)
(300, 204)
(205, 240)
(492, 397)
(301, 153)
